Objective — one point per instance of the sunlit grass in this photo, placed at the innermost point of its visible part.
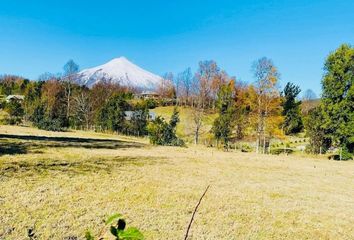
(62, 187)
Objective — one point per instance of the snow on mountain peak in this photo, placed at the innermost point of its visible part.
(119, 70)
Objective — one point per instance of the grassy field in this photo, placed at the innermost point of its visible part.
(185, 128)
(62, 184)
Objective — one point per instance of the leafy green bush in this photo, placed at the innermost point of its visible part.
(41, 120)
(16, 112)
(246, 148)
(346, 155)
(277, 151)
(118, 230)
(163, 133)
(138, 123)
(151, 103)
(2, 104)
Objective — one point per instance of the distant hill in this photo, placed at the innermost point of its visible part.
(122, 71)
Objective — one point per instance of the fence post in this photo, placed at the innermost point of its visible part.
(340, 155)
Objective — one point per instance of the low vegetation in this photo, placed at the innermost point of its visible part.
(118, 230)
(163, 133)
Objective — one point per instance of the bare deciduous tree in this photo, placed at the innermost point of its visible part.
(207, 72)
(186, 80)
(198, 114)
(166, 88)
(307, 101)
(82, 107)
(69, 78)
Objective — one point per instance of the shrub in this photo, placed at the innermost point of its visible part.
(16, 112)
(41, 120)
(346, 155)
(246, 148)
(277, 151)
(118, 230)
(163, 133)
(138, 122)
(151, 103)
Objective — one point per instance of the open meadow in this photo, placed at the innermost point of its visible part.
(62, 184)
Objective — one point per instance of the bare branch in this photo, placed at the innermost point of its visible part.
(195, 211)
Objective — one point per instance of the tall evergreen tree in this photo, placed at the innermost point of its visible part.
(291, 109)
(319, 142)
(224, 123)
(49, 111)
(112, 115)
(338, 97)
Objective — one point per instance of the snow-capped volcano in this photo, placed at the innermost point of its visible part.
(122, 71)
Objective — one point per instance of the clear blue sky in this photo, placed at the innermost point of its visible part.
(39, 35)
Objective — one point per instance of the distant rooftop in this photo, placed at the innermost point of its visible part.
(15, 97)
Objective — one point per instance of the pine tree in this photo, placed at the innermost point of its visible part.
(224, 123)
(112, 115)
(319, 143)
(292, 109)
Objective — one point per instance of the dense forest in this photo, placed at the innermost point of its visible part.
(259, 110)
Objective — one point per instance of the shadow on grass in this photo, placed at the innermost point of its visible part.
(74, 167)
(25, 143)
(12, 149)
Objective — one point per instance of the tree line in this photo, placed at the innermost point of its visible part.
(259, 110)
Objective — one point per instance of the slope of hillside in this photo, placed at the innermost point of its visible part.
(185, 128)
(119, 70)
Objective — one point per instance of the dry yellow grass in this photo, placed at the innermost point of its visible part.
(186, 127)
(63, 186)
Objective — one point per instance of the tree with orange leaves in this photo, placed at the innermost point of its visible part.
(266, 102)
(242, 109)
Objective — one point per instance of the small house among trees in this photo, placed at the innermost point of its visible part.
(147, 95)
(19, 98)
(129, 115)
